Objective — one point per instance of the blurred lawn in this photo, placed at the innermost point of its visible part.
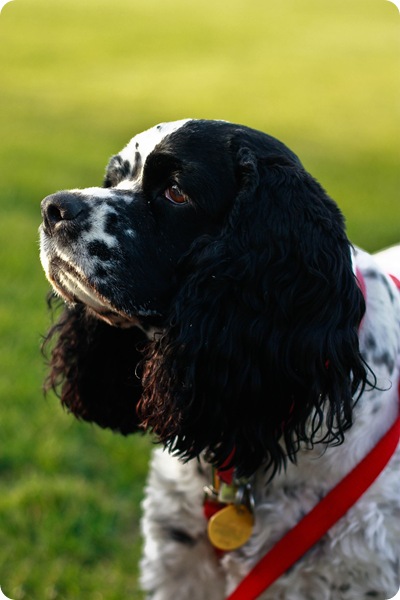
(77, 79)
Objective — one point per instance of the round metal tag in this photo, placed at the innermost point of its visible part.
(231, 527)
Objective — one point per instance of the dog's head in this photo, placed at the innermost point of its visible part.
(213, 239)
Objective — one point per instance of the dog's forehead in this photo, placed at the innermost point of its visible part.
(142, 144)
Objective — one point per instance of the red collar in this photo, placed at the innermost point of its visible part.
(323, 516)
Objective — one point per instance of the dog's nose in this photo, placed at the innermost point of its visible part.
(62, 206)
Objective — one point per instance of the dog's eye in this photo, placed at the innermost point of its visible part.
(175, 195)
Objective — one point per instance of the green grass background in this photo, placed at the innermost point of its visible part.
(77, 79)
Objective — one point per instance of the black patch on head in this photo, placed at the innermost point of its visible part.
(262, 306)
(158, 169)
(100, 249)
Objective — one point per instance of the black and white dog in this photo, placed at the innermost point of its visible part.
(213, 298)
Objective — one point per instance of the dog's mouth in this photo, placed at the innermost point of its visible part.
(74, 288)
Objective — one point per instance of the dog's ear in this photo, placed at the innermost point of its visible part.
(93, 369)
(262, 353)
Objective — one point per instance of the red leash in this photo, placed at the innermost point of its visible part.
(321, 518)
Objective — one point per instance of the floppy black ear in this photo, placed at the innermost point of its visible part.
(262, 353)
(93, 369)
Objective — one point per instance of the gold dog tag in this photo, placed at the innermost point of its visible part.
(231, 527)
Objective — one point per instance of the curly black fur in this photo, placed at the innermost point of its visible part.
(93, 369)
(263, 342)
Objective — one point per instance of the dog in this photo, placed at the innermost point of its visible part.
(212, 297)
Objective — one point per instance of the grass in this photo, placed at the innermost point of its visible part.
(78, 79)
